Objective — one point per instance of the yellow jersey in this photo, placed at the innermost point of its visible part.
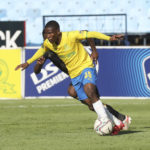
(71, 51)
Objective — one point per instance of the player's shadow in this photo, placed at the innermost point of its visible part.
(128, 132)
(146, 127)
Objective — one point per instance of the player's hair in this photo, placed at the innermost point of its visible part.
(53, 24)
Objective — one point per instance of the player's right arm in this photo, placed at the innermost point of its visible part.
(39, 64)
(40, 52)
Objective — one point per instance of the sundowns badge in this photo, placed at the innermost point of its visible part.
(146, 68)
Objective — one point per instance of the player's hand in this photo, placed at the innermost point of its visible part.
(41, 60)
(23, 66)
(94, 56)
(117, 37)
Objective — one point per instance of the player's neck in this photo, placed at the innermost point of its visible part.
(59, 39)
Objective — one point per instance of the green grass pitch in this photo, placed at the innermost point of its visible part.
(66, 124)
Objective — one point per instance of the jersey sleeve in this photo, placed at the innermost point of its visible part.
(81, 35)
(97, 35)
(40, 52)
(78, 35)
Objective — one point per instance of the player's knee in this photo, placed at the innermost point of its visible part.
(89, 104)
(91, 108)
(72, 92)
(90, 90)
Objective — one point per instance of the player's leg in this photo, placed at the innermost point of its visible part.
(118, 115)
(116, 121)
(111, 112)
(122, 117)
(80, 95)
(85, 100)
(115, 112)
(120, 124)
(72, 93)
(88, 79)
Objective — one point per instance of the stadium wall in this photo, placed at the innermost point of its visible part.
(123, 72)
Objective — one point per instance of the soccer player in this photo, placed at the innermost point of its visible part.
(71, 91)
(126, 120)
(80, 66)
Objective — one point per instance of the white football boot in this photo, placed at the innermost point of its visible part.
(126, 122)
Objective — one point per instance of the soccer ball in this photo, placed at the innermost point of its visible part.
(103, 126)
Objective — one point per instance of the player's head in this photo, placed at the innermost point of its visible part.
(53, 24)
(51, 31)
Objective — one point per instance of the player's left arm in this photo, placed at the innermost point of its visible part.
(98, 35)
(80, 35)
(94, 54)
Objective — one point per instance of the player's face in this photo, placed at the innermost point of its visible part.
(51, 34)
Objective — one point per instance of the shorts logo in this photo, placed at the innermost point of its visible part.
(146, 69)
(88, 75)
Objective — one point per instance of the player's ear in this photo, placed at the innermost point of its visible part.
(58, 32)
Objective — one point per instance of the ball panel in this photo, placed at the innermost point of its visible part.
(103, 126)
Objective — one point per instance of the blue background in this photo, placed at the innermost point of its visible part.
(30, 89)
(121, 73)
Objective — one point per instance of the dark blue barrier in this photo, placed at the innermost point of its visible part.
(123, 72)
(50, 82)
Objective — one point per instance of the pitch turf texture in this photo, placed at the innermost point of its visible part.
(66, 124)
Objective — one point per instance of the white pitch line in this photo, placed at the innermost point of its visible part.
(41, 106)
(68, 105)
